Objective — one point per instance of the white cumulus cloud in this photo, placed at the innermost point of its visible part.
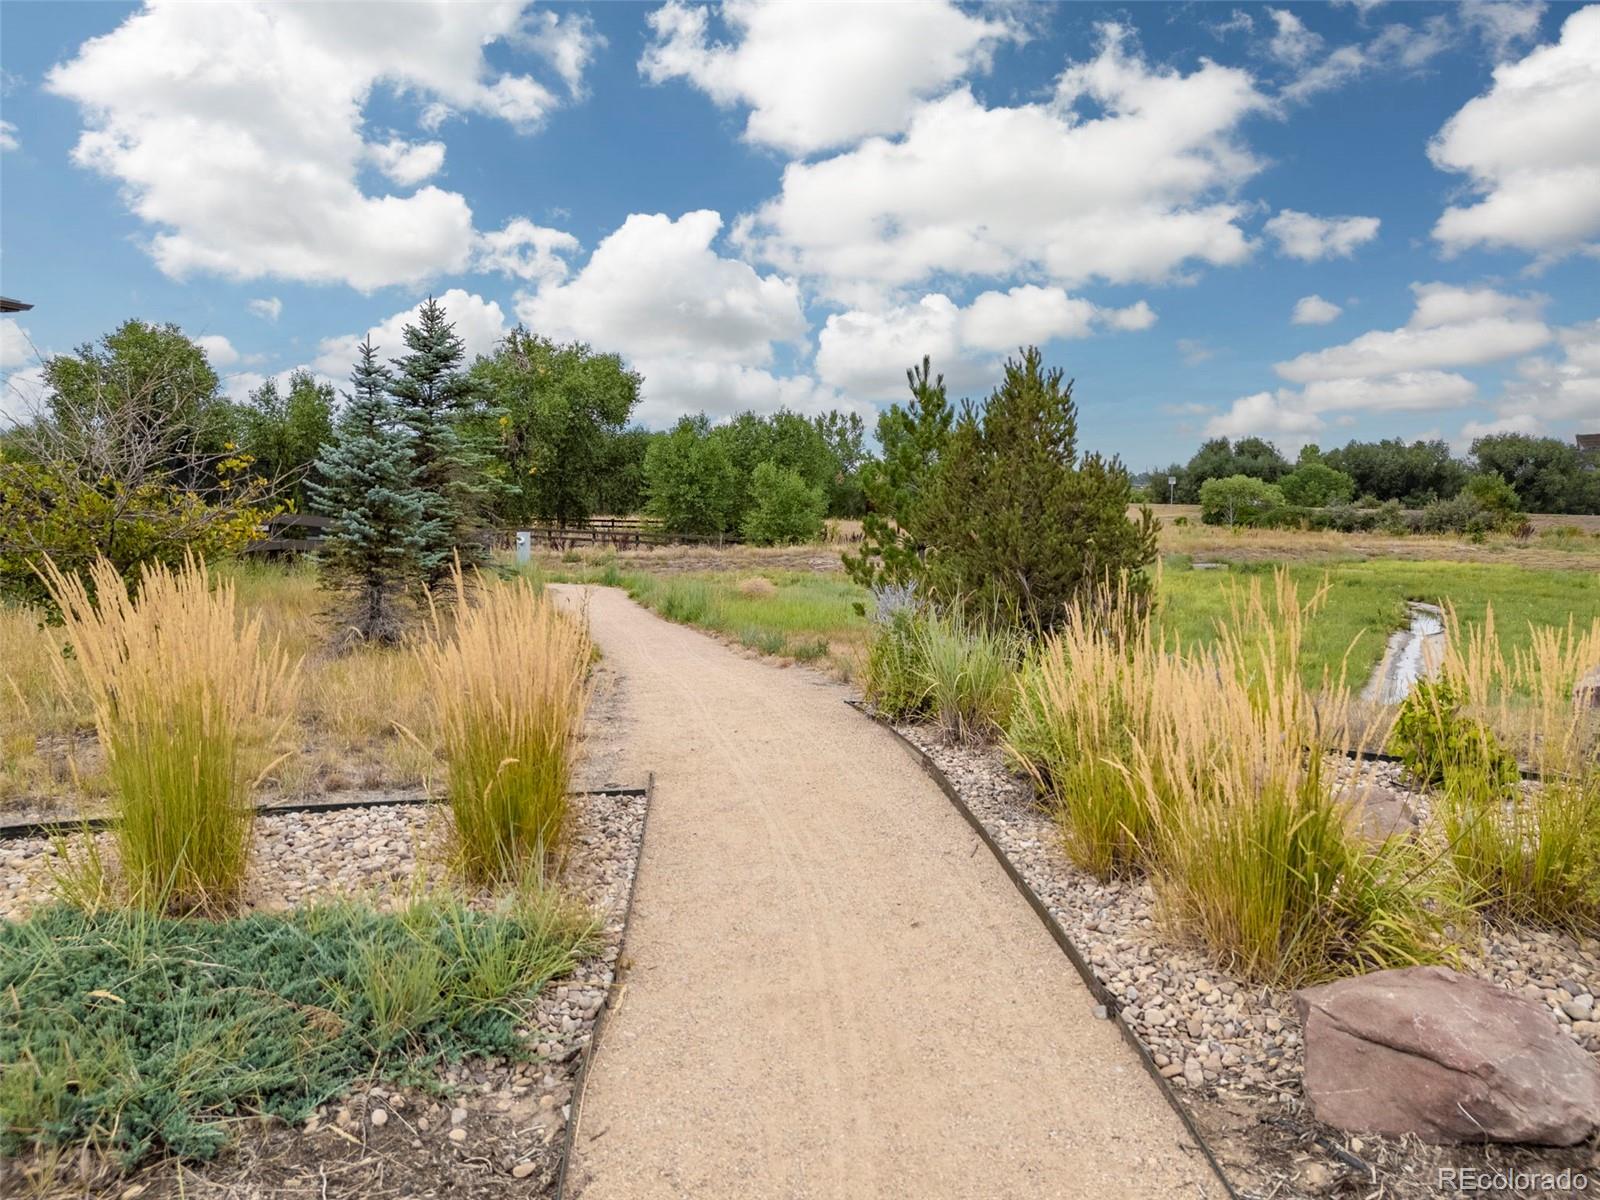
(219, 350)
(526, 251)
(820, 75)
(236, 132)
(700, 327)
(1269, 415)
(1530, 152)
(1564, 389)
(268, 308)
(866, 352)
(406, 163)
(1314, 310)
(8, 136)
(1416, 368)
(1450, 327)
(1308, 238)
(1127, 174)
(656, 287)
(16, 348)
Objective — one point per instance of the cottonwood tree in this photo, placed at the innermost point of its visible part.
(127, 457)
(556, 411)
(285, 430)
(367, 483)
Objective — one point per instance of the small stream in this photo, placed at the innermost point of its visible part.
(1413, 654)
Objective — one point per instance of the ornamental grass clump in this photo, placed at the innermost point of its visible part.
(967, 673)
(510, 678)
(1259, 858)
(1082, 701)
(189, 703)
(1520, 851)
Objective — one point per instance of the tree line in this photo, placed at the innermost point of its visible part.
(136, 453)
(1546, 475)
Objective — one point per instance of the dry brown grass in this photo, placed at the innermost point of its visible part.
(1220, 544)
(46, 747)
(757, 587)
(346, 734)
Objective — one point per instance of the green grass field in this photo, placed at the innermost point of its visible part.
(807, 615)
(1366, 601)
(794, 614)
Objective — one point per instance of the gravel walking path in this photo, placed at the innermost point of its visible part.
(834, 990)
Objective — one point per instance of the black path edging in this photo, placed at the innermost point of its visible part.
(1098, 990)
(582, 1078)
(17, 830)
(1527, 773)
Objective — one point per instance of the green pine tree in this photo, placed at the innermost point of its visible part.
(433, 393)
(896, 487)
(366, 481)
(1016, 518)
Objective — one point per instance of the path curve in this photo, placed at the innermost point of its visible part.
(835, 991)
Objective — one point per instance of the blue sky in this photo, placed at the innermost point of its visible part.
(1308, 222)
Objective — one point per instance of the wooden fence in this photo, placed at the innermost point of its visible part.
(301, 533)
(623, 533)
(291, 533)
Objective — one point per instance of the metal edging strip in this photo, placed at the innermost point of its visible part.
(589, 1051)
(1096, 989)
(61, 826)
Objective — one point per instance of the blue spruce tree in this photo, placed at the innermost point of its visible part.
(366, 482)
(432, 393)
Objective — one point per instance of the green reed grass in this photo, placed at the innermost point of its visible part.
(189, 702)
(510, 679)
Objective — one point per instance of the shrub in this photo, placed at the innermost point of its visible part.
(1316, 485)
(186, 698)
(893, 678)
(1237, 500)
(1494, 495)
(212, 1020)
(510, 680)
(53, 512)
(786, 509)
(1433, 737)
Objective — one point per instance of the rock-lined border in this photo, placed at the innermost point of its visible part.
(1242, 1085)
(1107, 1004)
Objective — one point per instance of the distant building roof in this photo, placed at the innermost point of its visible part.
(7, 304)
(1589, 441)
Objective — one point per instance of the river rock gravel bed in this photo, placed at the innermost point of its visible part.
(1232, 1049)
(476, 1128)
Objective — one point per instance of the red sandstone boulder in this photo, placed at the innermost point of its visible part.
(1446, 1057)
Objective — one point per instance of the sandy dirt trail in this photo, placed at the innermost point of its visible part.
(835, 991)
